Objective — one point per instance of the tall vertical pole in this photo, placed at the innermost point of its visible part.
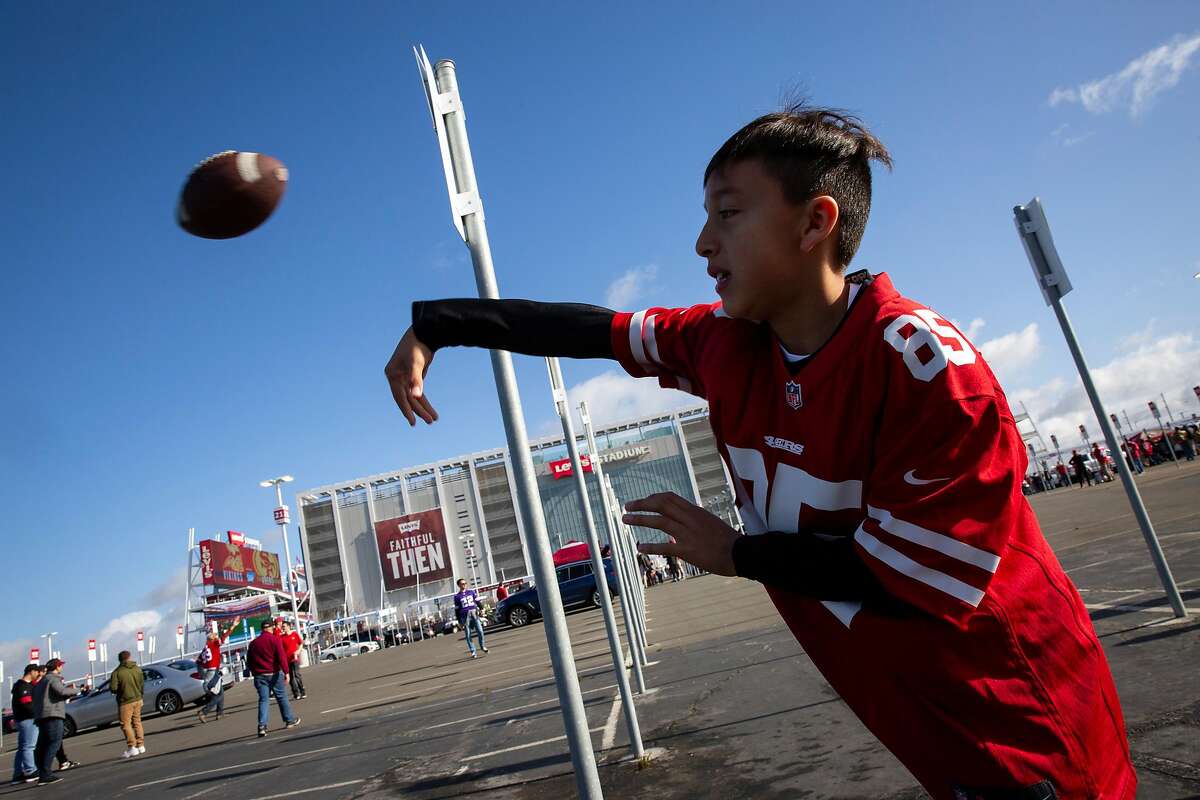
(1170, 416)
(287, 553)
(445, 105)
(1034, 232)
(598, 571)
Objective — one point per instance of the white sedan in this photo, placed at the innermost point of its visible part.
(347, 648)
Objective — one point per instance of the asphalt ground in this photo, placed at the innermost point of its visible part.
(735, 710)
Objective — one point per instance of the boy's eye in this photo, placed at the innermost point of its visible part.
(726, 213)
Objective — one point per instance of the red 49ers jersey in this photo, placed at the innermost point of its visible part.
(981, 668)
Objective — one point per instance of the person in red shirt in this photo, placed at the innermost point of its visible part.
(268, 663)
(877, 467)
(209, 660)
(292, 643)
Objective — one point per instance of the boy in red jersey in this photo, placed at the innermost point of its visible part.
(877, 467)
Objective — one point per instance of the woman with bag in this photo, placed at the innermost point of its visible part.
(209, 660)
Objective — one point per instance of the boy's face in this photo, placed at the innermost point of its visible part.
(756, 242)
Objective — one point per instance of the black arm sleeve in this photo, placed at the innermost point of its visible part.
(571, 330)
(827, 569)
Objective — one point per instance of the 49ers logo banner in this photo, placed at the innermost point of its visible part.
(227, 566)
(413, 547)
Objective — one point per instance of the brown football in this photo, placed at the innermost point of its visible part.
(230, 194)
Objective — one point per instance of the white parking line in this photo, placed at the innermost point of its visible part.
(525, 668)
(306, 791)
(549, 679)
(236, 766)
(610, 727)
(523, 746)
(502, 712)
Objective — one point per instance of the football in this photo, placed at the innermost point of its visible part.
(230, 194)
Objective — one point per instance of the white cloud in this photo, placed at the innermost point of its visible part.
(1137, 85)
(124, 628)
(1168, 364)
(974, 328)
(635, 283)
(1062, 136)
(1012, 354)
(612, 396)
(15, 655)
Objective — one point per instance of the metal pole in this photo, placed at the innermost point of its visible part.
(447, 111)
(1167, 406)
(287, 553)
(601, 574)
(618, 557)
(1034, 232)
(630, 548)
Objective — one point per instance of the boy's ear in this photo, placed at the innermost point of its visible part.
(818, 221)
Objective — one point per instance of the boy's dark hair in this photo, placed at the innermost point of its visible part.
(813, 152)
(124, 655)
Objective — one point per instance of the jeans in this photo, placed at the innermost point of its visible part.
(267, 685)
(50, 735)
(216, 700)
(294, 678)
(27, 736)
(473, 622)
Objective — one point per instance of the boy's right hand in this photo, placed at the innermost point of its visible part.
(405, 372)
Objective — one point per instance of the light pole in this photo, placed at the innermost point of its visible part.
(468, 540)
(49, 637)
(283, 519)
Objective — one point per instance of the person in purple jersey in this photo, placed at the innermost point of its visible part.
(466, 605)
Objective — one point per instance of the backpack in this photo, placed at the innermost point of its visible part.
(202, 658)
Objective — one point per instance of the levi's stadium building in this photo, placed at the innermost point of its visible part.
(392, 539)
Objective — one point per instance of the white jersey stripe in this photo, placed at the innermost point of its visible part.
(906, 566)
(635, 340)
(935, 541)
(648, 338)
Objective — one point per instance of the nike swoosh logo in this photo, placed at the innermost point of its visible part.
(911, 477)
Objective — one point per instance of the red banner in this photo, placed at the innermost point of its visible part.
(562, 468)
(227, 566)
(413, 548)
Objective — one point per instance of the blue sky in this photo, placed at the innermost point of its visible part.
(152, 379)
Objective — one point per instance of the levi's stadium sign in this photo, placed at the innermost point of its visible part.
(562, 467)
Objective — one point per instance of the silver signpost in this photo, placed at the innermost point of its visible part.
(1034, 232)
(628, 607)
(593, 540)
(445, 106)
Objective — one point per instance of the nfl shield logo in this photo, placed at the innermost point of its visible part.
(792, 392)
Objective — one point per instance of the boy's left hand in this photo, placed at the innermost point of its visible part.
(698, 537)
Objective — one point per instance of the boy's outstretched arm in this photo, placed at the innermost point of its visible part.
(570, 330)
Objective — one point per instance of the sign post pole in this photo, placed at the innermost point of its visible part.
(1034, 231)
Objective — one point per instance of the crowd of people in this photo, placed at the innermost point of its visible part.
(39, 702)
(1086, 467)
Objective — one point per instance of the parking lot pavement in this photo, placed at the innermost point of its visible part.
(736, 708)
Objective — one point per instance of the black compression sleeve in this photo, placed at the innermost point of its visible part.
(571, 330)
(827, 569)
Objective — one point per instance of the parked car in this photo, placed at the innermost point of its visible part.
(347, 648)
(166, 691)
(189, 666)
(576, 585)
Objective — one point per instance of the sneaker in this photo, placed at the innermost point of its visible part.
(262, 731)
(67, 765)
(200, 716)
(141, 749)
(304, 696)
(293, 724)
(474, 655)
(31, 777)
(51, 779)
(485, 649)
(130, 753)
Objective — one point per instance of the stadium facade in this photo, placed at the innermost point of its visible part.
(483, 534)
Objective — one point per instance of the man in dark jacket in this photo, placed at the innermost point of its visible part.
(24, 768)
(268, 663)
(50, 709)
(127, 682)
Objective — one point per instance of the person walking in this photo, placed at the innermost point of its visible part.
(127, 683)
(466, 606)
(209, 659)
(50, 710)
(267, 662)
(1102, 461)
(24, 768)
(1079, 463)
(293, 642)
